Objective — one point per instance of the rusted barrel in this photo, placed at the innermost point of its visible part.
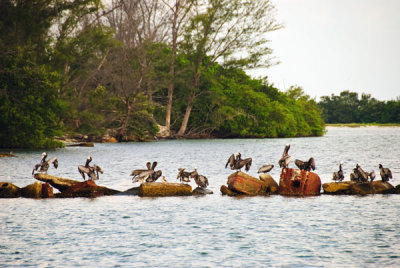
(296, 182)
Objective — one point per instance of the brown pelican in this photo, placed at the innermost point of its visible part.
(308, 165)
(183, 175)
(285, 159)
(265, 168)
(154, 176)
(359, 175)
(142, 174)
(44, 165)
(338, 175)
(372, 175)
(91, 172)
(200, 180)
(385, 173)
(236, 162)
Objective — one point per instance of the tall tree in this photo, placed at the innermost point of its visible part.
(233, 31)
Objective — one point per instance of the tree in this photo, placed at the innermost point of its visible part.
(226, 30)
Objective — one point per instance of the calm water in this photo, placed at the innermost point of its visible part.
(213, 230)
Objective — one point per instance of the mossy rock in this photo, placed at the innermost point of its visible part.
(154, 189)
(57, 182)
(9, 190)
(226, 191)
(376, 187)
(87, 189)
(338, 188)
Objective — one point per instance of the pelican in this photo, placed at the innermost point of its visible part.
(363, 176)
(372, 175)
(91, 172)
(308, 165)
(44, 165)
(140, 174)
(183, 175)
(154, 176)
(265, 168)
(285, 159)
(236, 162)
(338, 175)
(385, 173)
(200, 180)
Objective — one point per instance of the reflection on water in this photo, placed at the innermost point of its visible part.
(206, 231)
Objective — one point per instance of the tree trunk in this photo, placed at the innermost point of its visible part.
(123, 130)
(185, 121)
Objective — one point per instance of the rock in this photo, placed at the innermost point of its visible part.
(113, 140)
(87, 189)
(270, 185)
(226, 191)
(81, 144)
(243, 183)
(131, 191)
(32, 190)
(397, 189)
(7, 154)
(9, 190)
(57, 182)
(201, 191)
(163, 132)
(376, 187)
(296, 182)
(338, 188)
(153, 189)
(47, 190)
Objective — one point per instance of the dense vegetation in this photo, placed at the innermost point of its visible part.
(349, 108)
(78, 66)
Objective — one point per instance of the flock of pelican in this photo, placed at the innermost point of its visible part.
(235, 162)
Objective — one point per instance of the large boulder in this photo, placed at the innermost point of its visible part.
(270, 185)
(338, 188)
(87, 189)
(296, 182)
(9, 190)
(33, 190)
(154, 189)
(226, 191)
(57, 182)
(376, 187)
(354, 188)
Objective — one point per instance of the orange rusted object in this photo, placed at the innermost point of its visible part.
(243, 183)
(298, 182)
(47, 190)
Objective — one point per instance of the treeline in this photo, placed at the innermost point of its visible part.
(127, 67)
(348, 107)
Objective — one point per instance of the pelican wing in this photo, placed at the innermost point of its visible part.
(37, 166)
(311, 163)
(83, 170)
(231, 161)
(265, 168)
(53, 161)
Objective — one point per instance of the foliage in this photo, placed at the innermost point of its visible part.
(347, 107)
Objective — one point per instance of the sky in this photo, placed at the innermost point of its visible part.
(327, 46)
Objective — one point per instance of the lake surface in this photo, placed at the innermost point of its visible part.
(213, 230)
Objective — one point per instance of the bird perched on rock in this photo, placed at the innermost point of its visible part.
(359, 175)
(200, 180)
(237, 163)
(307, 165)
(338, 175)
(385, 173)
(183, 175)
(44, 164)
(265, 168)
(285, 159)
(148, 175)
(372, 175)
(91, 172)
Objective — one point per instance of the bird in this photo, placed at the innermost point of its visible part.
(265, 168)
(372, 175)
(183, 175)
(385, 173)
(338, 175)
(154, 176)
(200, 180)
(44, 164)
(363, 176)
(143, 174)
(237, 163)
(91, 172)
(285, 159)
(308, 165)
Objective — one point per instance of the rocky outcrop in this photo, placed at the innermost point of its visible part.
(33, 190)
(154, 189)
(270, 185)
(226, 191)
(296, 182)
(9, 190)
(354, 188)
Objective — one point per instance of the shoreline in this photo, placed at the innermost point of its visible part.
(355, 125)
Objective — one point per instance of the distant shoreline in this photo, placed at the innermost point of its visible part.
(363, 125)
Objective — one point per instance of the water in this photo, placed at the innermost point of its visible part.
(207, 231)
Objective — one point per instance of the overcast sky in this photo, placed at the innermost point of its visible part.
(327, 46)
